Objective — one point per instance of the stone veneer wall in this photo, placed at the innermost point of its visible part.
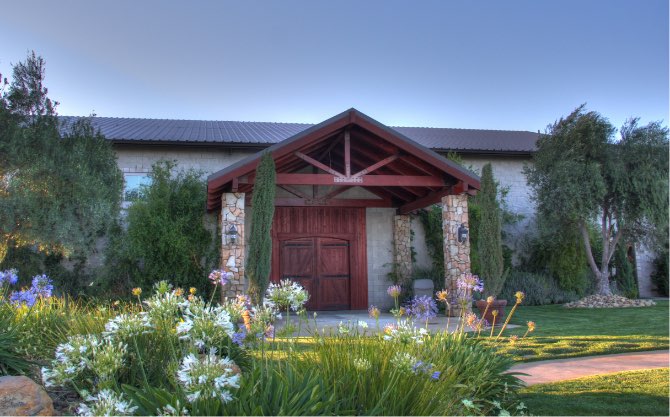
(233, 255)
(402, 245)
(456, 255)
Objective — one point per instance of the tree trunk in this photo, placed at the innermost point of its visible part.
(603, 283)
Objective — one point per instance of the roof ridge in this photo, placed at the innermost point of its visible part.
(461, 128)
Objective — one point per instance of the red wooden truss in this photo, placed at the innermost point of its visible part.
(347, 151)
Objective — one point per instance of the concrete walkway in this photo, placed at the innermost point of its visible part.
(571, 368)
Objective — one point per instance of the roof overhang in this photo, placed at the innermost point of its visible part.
(351, 149)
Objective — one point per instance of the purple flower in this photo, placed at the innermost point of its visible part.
(470, 282)
(220, 277)
(436, 375)
(9, 276)
(24, 296)
(239, 336)
(42, 286)
(394, 291)
(270, 331)
(423, 308)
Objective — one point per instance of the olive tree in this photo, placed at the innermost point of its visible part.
(583, 176)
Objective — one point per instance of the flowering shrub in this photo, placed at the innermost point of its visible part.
(287, 294)
(208, 377)
(41, 288)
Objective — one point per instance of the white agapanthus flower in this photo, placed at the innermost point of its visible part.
(362, 364)
(106, 403)
(287, 294)
(72, 358)
(404, 332)
(125, 326)
(205, 326)
(165, 306)
(208, 377)
(403, 361)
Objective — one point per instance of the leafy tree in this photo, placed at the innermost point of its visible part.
(581, 176)
(489, 241)
(260, 239)
(58, 192)
(166, 237)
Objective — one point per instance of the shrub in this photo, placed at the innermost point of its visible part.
(260, 239)
(660, 274)
(489, 242)
(12, 362)
(166, 237)
(625, 280)
(539, 288)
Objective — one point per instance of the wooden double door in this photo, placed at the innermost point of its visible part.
(321, 266)
(324, 250)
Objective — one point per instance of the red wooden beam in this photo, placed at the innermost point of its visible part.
(364, 181)
(352, 202)
(378, 165)
(347, 152)
(317, 164)
(426, 201)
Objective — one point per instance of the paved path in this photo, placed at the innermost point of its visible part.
(561, 369)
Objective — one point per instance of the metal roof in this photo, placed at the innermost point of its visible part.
(121, 129)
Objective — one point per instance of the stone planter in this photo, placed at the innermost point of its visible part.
(496, 305)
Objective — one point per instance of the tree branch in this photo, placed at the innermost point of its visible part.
(587, 245)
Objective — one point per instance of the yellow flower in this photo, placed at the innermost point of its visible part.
(513, 339)
(192, 290)
(490, 299)
(179, 292)
(403, 311)
(494, 313)
(531, 326)
(137, 291)
(519, 297)
(442, 296)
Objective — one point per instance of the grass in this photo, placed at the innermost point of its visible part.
(632, 393)
(565, 333)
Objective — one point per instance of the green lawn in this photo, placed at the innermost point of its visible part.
(632, 393)
(564, 333)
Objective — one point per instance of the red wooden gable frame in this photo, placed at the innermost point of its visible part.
(345, 151)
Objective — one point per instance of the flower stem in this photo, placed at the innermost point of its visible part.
(509, 317)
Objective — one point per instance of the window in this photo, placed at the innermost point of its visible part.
(132, 185)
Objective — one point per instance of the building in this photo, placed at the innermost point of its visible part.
(346, 187)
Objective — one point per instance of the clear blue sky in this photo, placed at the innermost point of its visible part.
(468, 64)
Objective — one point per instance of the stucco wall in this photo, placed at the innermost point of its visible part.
(207, 159)
(379, 230)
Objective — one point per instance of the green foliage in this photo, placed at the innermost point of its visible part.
(431, 219)
(659, 276)
(539, 288)
(260, 239)
(582, 175)
(166, 236)
(12, 362)
(489, 242)
(58, 193)
(625, 276)
(558, 253)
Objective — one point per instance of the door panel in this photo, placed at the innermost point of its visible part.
(334, 274)
(297, 264)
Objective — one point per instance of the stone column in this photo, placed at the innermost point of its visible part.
(232, 254)
(402, 245)
(456, 255)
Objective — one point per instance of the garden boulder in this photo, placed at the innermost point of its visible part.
(21, 396)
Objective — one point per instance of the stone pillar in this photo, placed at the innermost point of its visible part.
(402, 248)
(232, 255)
(456, 255)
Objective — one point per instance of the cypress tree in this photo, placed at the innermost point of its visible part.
(489, 242)
(260, 239)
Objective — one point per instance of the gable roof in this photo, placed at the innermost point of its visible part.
(400, 171)
(263, 134)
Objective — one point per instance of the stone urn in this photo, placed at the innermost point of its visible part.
(498, 305)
